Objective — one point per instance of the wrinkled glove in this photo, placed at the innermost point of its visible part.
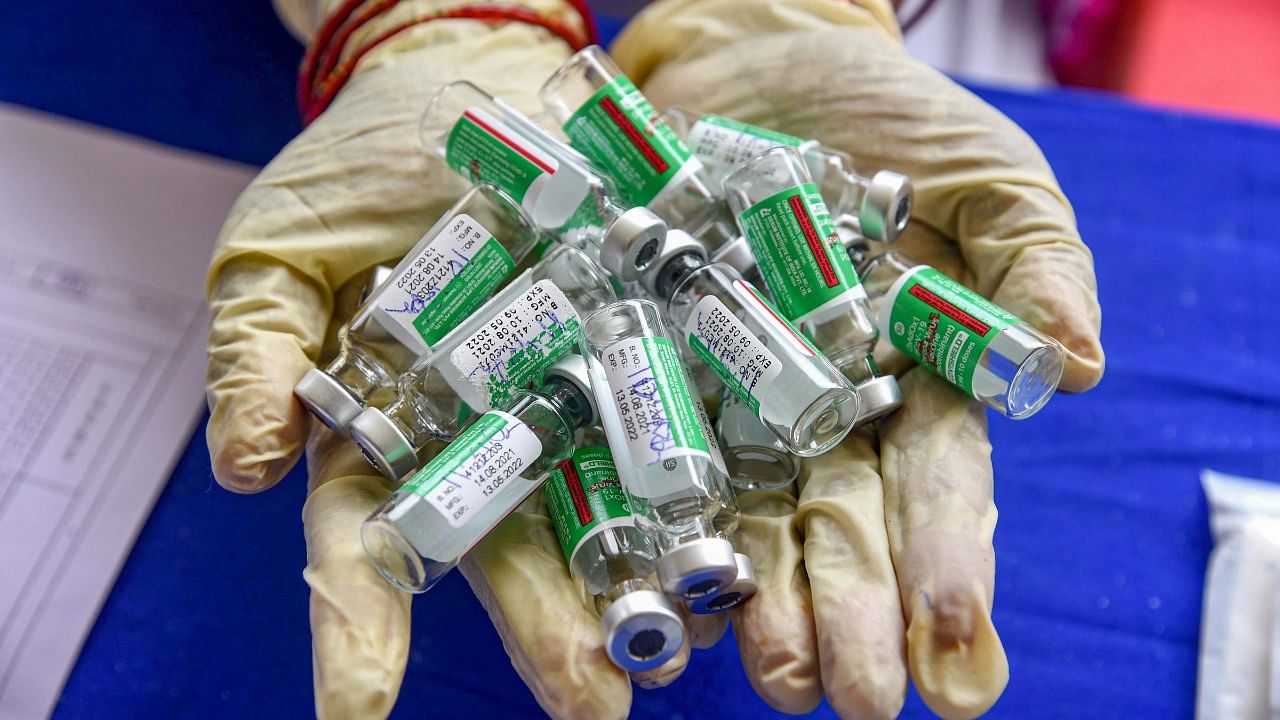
(882, 567)
(354, 190)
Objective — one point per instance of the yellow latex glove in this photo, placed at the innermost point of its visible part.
(882, 568)
(354, 190)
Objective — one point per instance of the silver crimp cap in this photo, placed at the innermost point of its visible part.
(880, 396)
(632, 242)
(642, 630)
(742, 589)
(383, 444)
(698, 568)
(678, 242)
(886, 206)
(328, 399)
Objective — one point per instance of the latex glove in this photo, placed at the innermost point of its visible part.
(354, 190)
(883, 568)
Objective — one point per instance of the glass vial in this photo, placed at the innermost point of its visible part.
(807, 269)
(977, 346)
(761, 358)
(881, 203)
(458, 264)
(754, 456)
(671, 469)
(423, 530)
(609, 120)
(485, 139)
(611, 558)
(505, 347)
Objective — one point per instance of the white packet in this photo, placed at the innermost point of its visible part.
(1238, 634)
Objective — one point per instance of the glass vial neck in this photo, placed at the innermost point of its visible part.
(569, 402)
(361, 372)
(673, 273)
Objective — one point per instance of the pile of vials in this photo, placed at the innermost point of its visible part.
(611, 267)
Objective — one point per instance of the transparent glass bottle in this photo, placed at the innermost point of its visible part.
(485, 139)
(807, 269)
(977, 346)
(754, 456)
(881, 203)
(670, 466)
(609, 120)
(505, 346)
(423, 530)
(459, 263)
(760, 357)
(611, 557)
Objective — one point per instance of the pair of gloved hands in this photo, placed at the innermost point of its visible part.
(879, 569)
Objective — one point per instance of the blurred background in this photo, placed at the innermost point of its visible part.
(1158, 118)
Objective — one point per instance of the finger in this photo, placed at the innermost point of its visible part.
(775, 632)
(554, 642)
(941, 516)
(268, 323)
(705, 630)
(856, 606)
(359, 622)
(979, 179)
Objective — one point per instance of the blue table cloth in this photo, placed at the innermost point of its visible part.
(1103, 534)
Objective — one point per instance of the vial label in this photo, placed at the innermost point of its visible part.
(482, 147)
(618, 130)
(731, 350)
(709, 434)
(802, 260)
(651, 393)
(516, 346)
(941, 324)
(721, 143)
(584, 493)
(453, 275)
(472, 469)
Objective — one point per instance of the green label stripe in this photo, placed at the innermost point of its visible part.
(478, 278)
(480, 147)
(942, 324)
(618, 130)
(732, 350)
(774, 137)
(582, 493)
(652, 396)
(800, 256)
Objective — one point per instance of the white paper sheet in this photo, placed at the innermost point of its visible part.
(104, 241)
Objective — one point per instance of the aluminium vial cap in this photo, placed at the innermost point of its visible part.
(572, 369)
(678, 243)
(737, 254)
(642, 630)
(632, 242)
(383, 444)
(886, 206)
(328, 399)
(742, 589)
(698, 568)
(880, 395)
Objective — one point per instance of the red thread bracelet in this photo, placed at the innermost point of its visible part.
(321, 75)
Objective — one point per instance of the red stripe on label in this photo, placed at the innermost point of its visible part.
(641, 143)
(576, 492)
(932, 300)
(816, 246)
(511, 144)
(746, 287)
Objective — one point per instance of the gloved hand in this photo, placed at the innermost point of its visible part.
(883, 567)
(356, 189)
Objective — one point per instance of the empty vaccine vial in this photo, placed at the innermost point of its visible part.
(977, 346)
(756, 459)
(612, 558)
(457, 265)
(485, 139)
(505, 347)
(881, 203)
(807, 269)
(610, 121)
(760, 357)
(670, 467)
(742, 589)
(448, 506)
